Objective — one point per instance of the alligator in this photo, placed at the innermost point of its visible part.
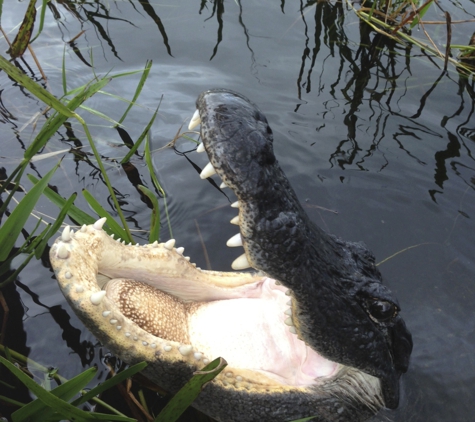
(312, 332)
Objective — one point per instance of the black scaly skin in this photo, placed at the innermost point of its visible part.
(340, 307)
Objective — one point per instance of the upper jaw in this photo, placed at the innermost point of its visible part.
(323, 273)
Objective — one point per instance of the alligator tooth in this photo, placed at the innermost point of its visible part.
(201, 147)
(84, 228)
(235, 204)
(169, 244)
(293, 330)
(63, 252)
(195, 120)
(154, 244)
(235, 220)
(289, 303)
(235, 241)
(96, 297)
(66, 235)
(99, 223)
(180, 250)
(187, 258)
(185, 349)
(288, 312)
(289, 322)
(112, 236)
(240, 263)
(223, 185)
(208, 171)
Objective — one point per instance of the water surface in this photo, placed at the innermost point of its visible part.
(375, 137)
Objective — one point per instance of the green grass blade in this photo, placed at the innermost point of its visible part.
(99, 114)
(16, 220)
(13, 276)
(67, 410)
(38, 411)
(190, 391)
(74, 212)
(38, 91)
(115, 228)
(421, 14)
(156, 183)
(55, 121)
(63, 72)
(42, 19)
(111, 382)
(138, 90)
(155, 214)
(141, 137)
(106, 178)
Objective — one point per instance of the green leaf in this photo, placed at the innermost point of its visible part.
(54, 122)
(37, 90)
(190, 391)
(67, 410)
(37, 410)
(155, 215)
(421, 14)
(111, 382)
(156, 183)
(23, 37)
(42, 19)
(13, 276)
(74, 212)
(118, 231)
(138, 90)
(143, 136)
(16, 220)
(100, 115)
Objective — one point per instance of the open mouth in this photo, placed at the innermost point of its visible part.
(314, 325)
(154, 296)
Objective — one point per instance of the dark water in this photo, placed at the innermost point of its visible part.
(374, 131)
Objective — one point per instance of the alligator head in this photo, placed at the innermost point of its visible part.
(314, 332)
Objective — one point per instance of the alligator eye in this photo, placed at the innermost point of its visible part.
(381, 310)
